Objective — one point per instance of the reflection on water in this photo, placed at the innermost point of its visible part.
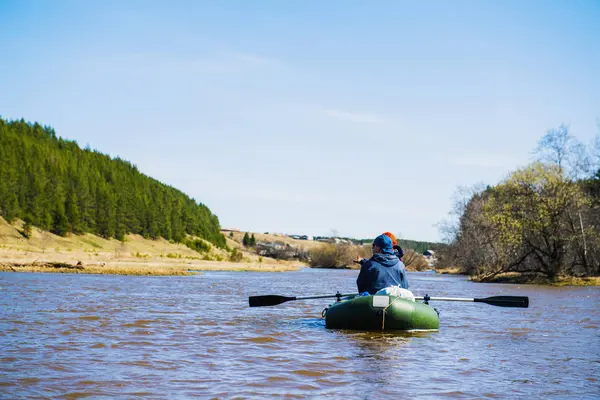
(69, 336)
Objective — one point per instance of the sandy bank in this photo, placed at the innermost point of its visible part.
(129, 267)
(45, 252)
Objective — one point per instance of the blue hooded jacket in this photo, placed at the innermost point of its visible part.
(381, 271)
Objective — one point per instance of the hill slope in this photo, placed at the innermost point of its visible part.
(55, 185)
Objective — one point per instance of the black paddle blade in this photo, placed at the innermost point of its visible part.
(268, 300)
(506, 301)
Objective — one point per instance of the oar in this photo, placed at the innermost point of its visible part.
(501, 301)
(273, 300)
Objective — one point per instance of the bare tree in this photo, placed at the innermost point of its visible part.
(553, 147)
(558, 147)
(461, 198)
(596, 151)
(415, 261)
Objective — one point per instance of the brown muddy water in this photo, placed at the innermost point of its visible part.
(73, 336)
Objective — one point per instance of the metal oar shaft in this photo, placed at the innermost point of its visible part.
(323, 297)
(501, 301)
(445, 298)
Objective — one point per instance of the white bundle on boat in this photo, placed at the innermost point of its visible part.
(397, 291)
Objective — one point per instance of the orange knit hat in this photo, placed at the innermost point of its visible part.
(391, 236)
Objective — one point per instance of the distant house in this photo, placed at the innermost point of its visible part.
(430, 256)
(263, 247)
(279, 250)
(339, 240)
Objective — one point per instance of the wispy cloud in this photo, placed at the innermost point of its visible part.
(355, 117)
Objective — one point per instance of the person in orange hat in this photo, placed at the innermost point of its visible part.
(384, 269)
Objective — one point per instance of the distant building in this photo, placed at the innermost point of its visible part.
(280, 250)
(429, 253)
(430, 256)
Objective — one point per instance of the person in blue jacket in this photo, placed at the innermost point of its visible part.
(383, 269)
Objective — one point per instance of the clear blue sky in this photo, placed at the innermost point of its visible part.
(307, 116)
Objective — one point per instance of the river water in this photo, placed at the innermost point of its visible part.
(73, 336)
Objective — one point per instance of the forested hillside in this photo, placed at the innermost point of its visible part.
(419, 246)
(53, 184)
(416, 245)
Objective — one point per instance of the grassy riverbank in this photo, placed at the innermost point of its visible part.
(449, 271)
(529, 279)
(45, 252)
(517, 278)
(116, 267)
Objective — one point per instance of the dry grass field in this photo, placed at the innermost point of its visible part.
(46, 252)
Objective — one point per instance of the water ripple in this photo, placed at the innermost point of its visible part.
(73, 336)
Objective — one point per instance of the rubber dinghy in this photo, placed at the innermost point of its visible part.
(389, 309)
(381, 313)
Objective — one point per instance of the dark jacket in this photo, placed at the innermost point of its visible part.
(399, 252)
(381, 271)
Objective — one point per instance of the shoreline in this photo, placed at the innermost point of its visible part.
(133, 267)
(144, 268)
(86, 253)
(527, 279)
(448, 271)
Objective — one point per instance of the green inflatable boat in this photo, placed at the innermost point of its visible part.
(381, 313)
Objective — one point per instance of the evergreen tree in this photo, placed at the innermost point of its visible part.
(252, 241)
(246, 240)
(119, 221)
(46, 220)
(105, 222)
(11, 210)
(73, 216)
(60, 223)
